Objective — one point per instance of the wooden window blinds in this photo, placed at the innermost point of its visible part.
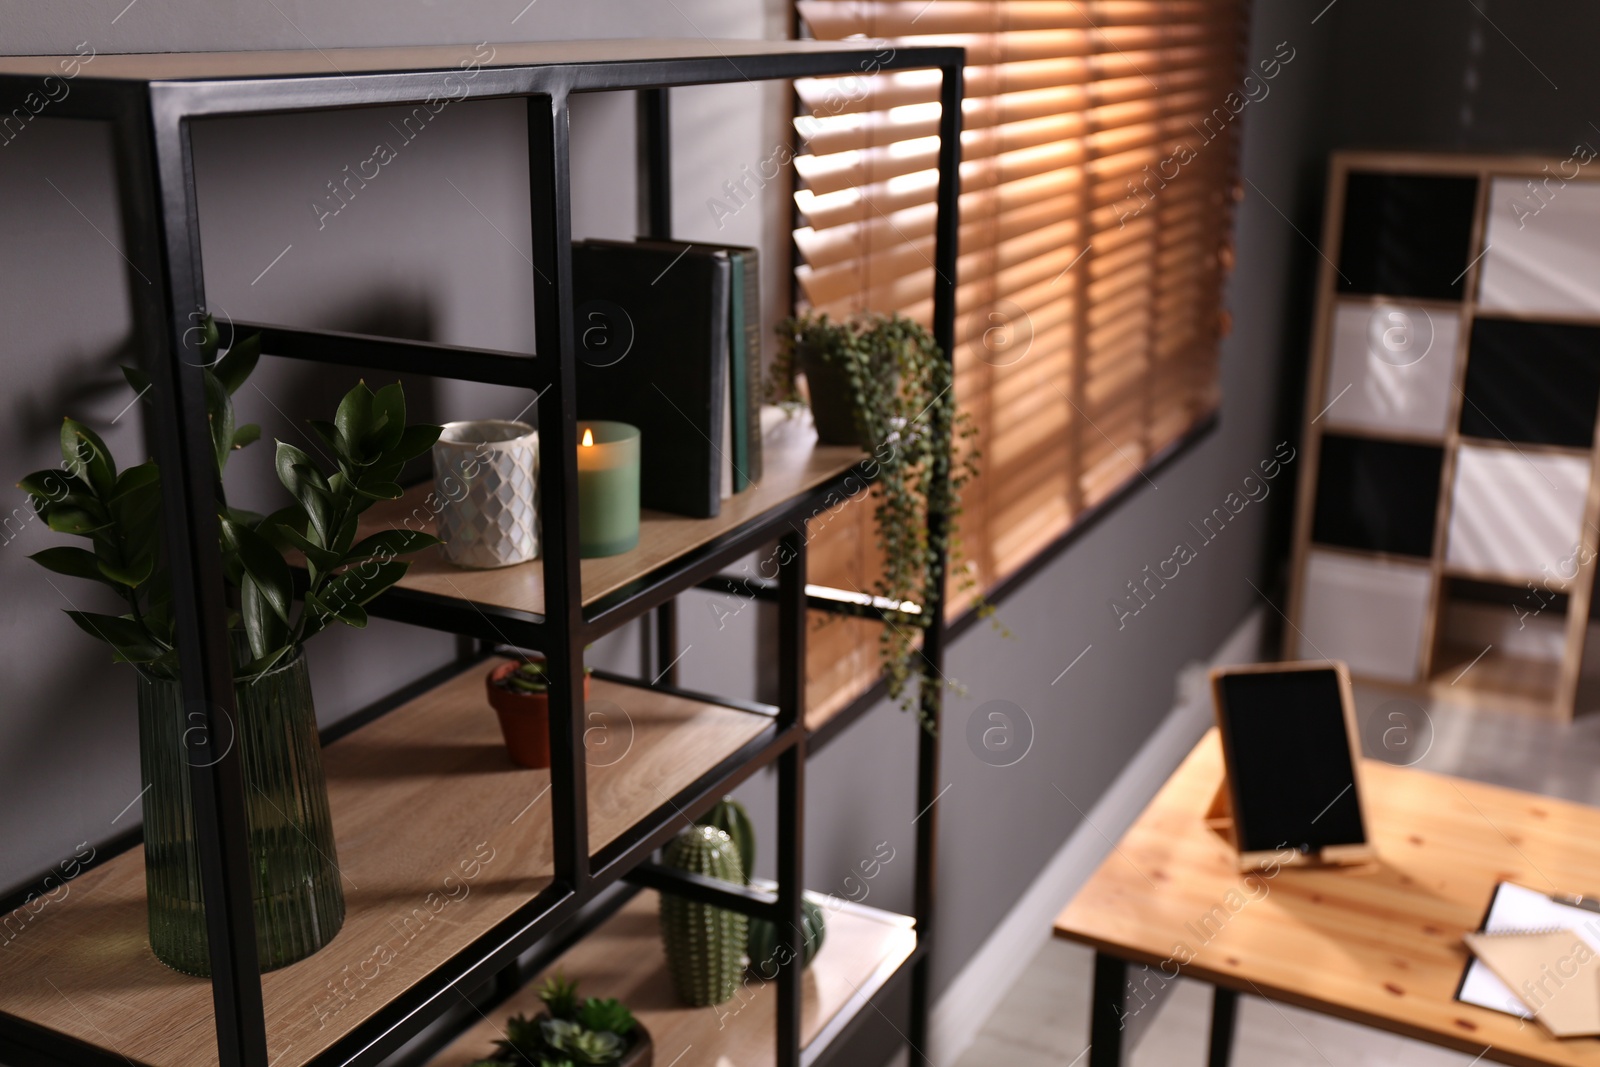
(1097, 183)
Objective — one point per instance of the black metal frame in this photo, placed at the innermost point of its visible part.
(151, 120)
(1109, 1008)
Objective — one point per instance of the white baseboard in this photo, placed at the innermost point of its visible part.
(973, 995)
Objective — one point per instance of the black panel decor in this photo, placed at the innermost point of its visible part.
(1532, 382)
(1406, 235)
(1380, 496)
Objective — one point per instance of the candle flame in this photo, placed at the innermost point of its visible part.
(588, 438)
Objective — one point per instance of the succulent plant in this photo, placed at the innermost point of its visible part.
(581, 1045)
(608, 1015)
(560, 996)
(531, 676)
(705, 945)
(522, 1044)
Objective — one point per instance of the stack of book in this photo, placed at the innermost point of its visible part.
(669, 339)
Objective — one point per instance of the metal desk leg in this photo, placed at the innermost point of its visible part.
(1224, 1012)
(1105, 1014)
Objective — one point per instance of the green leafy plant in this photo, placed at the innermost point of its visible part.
(901, 390)
(119, 512)
(581, 1045)
(560, 996)
(575, 1032)
(607, 1015)
(531, 676)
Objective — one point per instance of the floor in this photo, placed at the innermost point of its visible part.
(1044, 1019)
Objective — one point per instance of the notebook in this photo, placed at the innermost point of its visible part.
(1555, 972)
(1518, 908)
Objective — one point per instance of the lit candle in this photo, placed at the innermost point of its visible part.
(608, 489)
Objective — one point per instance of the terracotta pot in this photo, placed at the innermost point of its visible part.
(524, 718)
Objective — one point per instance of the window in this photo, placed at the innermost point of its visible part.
(1097, 183)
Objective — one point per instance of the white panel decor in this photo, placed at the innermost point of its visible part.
(1517, 513)
(1369, 613)
(1543, 246)
(1391, 367)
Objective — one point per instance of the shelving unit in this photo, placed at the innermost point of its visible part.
(1452, 429)
(623, 959)
(421, 792)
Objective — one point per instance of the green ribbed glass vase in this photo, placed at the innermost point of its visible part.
(299, 903)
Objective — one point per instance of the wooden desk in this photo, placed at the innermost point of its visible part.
(1379, 945)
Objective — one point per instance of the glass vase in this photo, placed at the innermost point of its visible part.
(298, 901)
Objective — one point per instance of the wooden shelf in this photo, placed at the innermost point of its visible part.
(1497, 680)
(794, 463)
(623, 959)
(414, 794)
(445, 58)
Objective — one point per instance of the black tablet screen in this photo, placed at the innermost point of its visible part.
(1289, 754)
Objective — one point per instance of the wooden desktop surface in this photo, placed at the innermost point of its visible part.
(1379, 944)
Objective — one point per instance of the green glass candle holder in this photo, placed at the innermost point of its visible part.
(608, 488)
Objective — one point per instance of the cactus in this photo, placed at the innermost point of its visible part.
(705, 945)
(765, 956)
(730, 817)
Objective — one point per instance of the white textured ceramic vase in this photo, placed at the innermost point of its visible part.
(486, 477)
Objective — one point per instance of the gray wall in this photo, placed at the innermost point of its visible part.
(414, 255)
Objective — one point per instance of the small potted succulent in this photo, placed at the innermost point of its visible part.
(570, 1032)
(520, 696)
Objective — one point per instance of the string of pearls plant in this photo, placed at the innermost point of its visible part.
(902, 393)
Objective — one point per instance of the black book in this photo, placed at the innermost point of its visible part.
(652, 345)
(744, 368)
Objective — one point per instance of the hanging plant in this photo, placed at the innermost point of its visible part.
(899, 388)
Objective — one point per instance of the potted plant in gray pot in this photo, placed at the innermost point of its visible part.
(298, 900)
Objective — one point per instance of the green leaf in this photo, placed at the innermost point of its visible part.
(72, 520)
(136, 378)
(265, 567)
(346, 535)
(51, 485)
(73, 562)
(414, 441)
(132, 642)
(86, 456)
(353, 420)
(389, 419)
(232, 369)
(293, 467)
(264, 628)
(135, 511)
(346, 612)
(379, 491)
(315, 554)
(327, 431)
(388, 544)
(211, 337)
(219, 413)
(264, 663)
(248, 434)
(348, 590)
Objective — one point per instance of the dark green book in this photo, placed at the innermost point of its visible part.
(744, 362)
(653, 350)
